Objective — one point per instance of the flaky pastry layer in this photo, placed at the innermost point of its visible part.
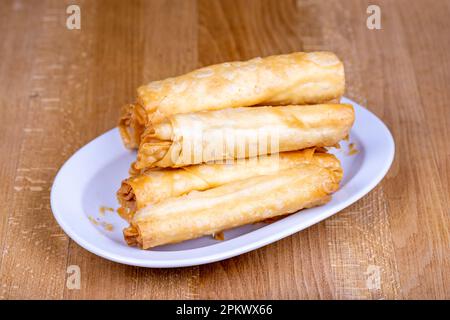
(200, 137)
(296, 78)
(234, 204)
(156, 185)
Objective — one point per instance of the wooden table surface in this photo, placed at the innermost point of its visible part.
(60, 88)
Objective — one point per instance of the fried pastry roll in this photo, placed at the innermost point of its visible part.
(234, 204)
(156, 185)
(296, 78)
(192, 138)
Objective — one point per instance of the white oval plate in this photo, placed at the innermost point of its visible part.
(91, 177)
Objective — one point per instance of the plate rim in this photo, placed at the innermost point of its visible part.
(221, 255)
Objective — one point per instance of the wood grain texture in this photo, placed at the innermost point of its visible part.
(60, 88)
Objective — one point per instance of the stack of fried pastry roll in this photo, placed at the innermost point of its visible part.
(232, 144)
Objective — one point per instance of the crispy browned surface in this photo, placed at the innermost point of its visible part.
(59, 89)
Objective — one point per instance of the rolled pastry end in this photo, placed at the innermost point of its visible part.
(131, 236)
(127, 200)
(151, 152)
(132, 124)
(133, 171)
(152, 148)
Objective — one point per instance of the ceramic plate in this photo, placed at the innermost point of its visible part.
(88, 182)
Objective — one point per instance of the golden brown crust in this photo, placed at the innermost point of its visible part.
(132, 124)
(255, 199)
(215, 135)
(156, 185)
(297, 78)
